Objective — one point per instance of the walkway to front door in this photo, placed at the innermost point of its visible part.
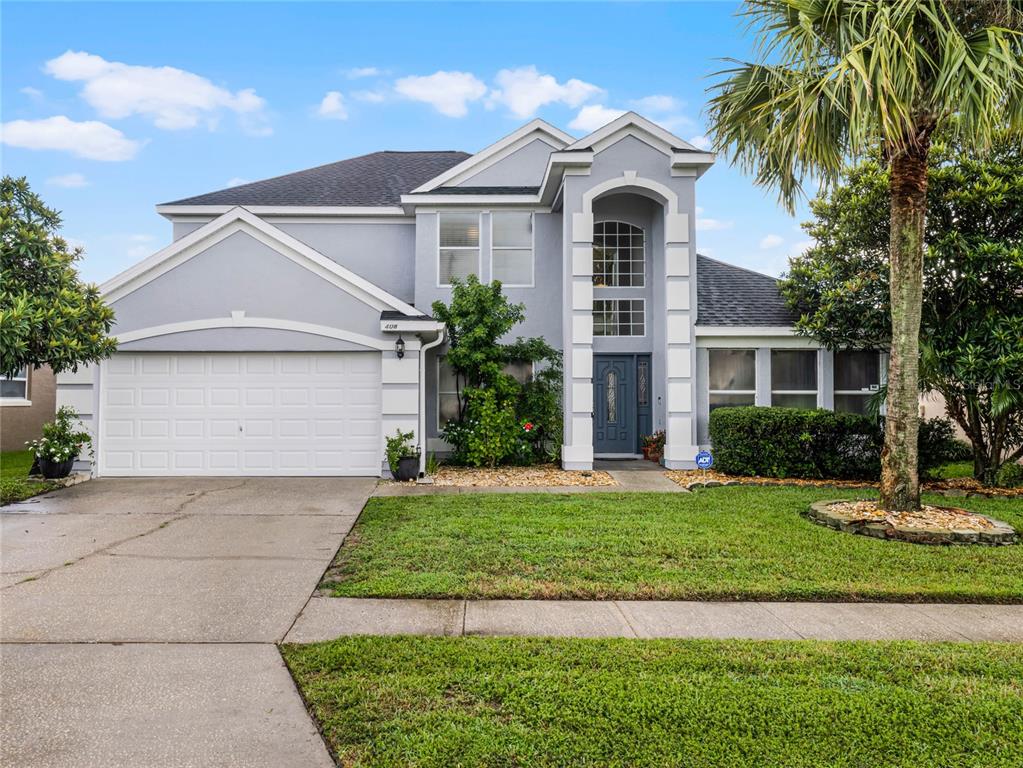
(621, 403)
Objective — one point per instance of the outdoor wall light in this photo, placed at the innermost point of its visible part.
(399, 347)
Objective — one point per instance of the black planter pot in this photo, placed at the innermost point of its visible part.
(54, 470)
(408, 469)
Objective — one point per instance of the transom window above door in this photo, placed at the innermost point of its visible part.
(618, 255)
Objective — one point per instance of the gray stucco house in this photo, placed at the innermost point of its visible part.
(262, 340)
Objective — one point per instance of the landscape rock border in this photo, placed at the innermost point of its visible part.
(1000, 533)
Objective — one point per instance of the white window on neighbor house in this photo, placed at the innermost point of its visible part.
(618, 255)
(619, 317)
(511, 248)
(857, 379)
(14, 389)
(732, 377)
(458, 246)
(794, 378)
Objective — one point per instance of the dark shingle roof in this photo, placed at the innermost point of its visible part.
(730, 295)
(377, 179)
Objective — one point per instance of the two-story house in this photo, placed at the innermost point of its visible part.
(287, 329)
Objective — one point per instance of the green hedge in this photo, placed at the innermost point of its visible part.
(816, 444)
(792, 442)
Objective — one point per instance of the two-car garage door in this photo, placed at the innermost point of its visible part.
(235, 413)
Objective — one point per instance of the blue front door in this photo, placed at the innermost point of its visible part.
(614, 404)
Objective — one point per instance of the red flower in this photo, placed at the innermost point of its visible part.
(528, 426)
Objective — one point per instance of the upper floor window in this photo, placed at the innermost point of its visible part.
(857, 378)
(618, 255)
(794, 378)
(459, 246)
(511, 256)
(15, 387)
(732, 377)
(619, 317)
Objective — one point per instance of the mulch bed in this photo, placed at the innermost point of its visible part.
(960, 486)
(544, 475)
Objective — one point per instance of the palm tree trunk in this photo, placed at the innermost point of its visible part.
(900, 484)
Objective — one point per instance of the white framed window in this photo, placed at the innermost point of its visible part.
(619, 255)
(14, 389)
(511, 248)
(447, 394)
(458, 246)
(794, 378)
(732, 377)
(619, 317)
(857, 379)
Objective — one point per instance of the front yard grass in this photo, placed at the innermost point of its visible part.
(14, 482)
(718, 543)
(413, 701)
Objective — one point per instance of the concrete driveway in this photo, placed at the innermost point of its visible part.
(138, 619)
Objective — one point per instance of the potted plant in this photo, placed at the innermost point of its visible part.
(402, 456)
(61, 443)
(653, 446)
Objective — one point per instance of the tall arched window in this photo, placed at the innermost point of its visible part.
(618, 255)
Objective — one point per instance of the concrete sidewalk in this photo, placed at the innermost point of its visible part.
(326, 618)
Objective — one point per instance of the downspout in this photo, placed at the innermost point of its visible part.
(422, 396)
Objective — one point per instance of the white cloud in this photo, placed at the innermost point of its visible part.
(448, 92)
(799, 248)
(68, 181)
(172, 98)
(524, 90)
(658, 104)
(236, 181)
(705, 224)
(356, 73)
(333, 106)
(700, 142)
(771, 241)
(593, 117)
(33, 93)
(90, 139)
(374, 97)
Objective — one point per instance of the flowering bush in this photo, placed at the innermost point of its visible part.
(62, 439)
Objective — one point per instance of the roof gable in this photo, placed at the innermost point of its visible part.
(727, 295)
(240, 220)
(488, 156)
(636, 125)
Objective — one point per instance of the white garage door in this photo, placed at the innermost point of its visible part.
(227, 413)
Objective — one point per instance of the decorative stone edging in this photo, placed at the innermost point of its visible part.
(823, 513)
(65, 482)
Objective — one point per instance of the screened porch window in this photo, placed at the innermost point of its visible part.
(732, 377)
(794, 378)
(857, 379)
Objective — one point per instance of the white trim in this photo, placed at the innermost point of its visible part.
(532, 249)
(406, 219)
(630, 179)
(241, 220)
(15, 402)
(625, 122)
(744, 330)
(474, 201)
(479, 247)
(240, 321)
(496, 151)
(283, 210)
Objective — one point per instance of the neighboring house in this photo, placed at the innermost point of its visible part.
(265, 338)
(27, 401)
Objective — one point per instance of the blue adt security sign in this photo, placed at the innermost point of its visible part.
(704, 460)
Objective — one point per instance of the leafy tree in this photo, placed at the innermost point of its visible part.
(48, 316)
(971, 334)
(499, 418)
(837, 77)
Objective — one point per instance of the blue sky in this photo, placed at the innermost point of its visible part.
(104, 131)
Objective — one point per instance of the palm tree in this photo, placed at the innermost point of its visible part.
(835, 77)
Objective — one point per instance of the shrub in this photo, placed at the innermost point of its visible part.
(1010, 475)
(937, 445)
(791, 442)
(62, 438)
(399, 446)
(492, 431)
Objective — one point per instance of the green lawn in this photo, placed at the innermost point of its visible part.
(717, 543)
(14, 482)
(404, 701)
